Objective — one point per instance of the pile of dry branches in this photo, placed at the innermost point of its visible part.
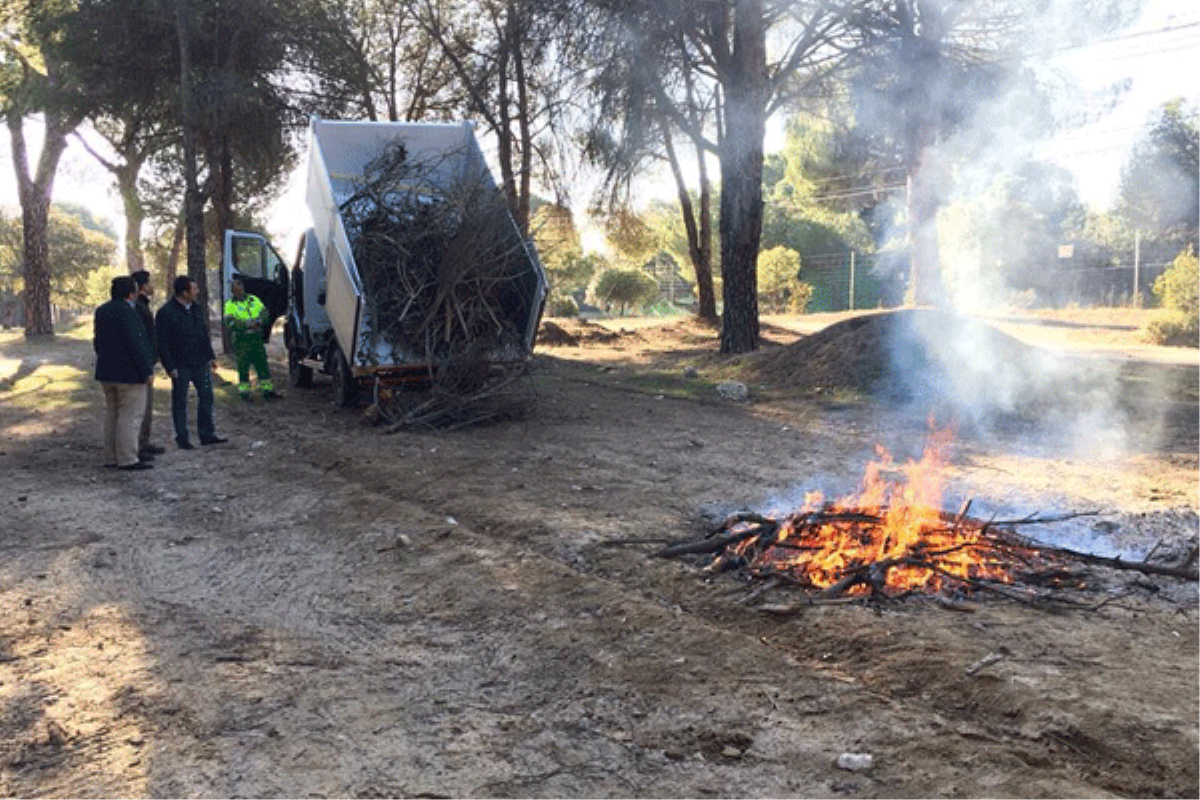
(444, 270)
(448, 281)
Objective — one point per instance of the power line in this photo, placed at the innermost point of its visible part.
(858, 192)
(1124, 38)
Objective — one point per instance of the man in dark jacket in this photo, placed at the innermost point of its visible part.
(145, 290)
(187, 355)
(124, 363)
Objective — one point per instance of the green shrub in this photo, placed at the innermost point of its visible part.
(562, 307)
(1178, 289)
(1174, 329)
(1178, 292)
(779, 284)
(625, 288)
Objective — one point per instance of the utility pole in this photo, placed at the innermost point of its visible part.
(1137, 268)
(851, 303)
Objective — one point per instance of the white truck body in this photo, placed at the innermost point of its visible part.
(338, 154)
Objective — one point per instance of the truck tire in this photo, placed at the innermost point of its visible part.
(345, 390)
(300, 375)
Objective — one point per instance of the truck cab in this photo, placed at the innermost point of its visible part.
(250, 258)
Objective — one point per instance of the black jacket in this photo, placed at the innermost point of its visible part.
(143, 308)
(123, 350)
(182, 336)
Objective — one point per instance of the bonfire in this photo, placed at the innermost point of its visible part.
(893, 538)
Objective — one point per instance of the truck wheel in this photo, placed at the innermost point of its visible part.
(300, 375)
(344, 388)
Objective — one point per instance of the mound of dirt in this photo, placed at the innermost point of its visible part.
(899, 354)
(576, 333)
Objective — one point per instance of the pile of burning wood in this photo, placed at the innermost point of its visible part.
(892, 540)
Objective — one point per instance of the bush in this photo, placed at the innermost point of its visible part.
(625, 288)
(1178, 292)
(1178, 289)
(1174, 329)
(800, 294)
(562, 307)
(779, 285)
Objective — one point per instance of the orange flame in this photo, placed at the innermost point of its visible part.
(894, 525)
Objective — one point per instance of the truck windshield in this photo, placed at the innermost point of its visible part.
(254, 258)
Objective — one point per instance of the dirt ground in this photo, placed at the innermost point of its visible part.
(317, 608)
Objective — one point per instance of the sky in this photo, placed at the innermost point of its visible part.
(1158, 58)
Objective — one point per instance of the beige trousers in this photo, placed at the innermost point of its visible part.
(147, 414)
(123, 407)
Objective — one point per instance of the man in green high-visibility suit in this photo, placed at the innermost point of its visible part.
(246, 315)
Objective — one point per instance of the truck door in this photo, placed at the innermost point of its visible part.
(250, 257)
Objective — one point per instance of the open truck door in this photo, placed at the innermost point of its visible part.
(250, 257)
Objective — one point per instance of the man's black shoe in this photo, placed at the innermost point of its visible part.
(214, 440)
(272, 395)
(140, 465)
(152, 450)
(146, 458)
(185, 445)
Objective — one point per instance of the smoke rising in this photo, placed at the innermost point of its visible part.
(1001, 216)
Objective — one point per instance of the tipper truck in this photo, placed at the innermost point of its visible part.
(396, 276)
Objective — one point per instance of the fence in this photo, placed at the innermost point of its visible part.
(847, 281)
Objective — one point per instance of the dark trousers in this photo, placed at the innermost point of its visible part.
(201, 378)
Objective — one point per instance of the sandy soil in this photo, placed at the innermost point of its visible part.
(319, 609)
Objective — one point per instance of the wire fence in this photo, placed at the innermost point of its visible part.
(850, 281)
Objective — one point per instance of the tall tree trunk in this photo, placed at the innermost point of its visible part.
(135, 214)
(504, 135)
(34, 192)
(193, 196)
(705, 290)
(700, 256)
(524, 112)
(171, 269)
(221, 164)
(741, 176)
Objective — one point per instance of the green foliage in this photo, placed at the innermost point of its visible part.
(1174, 329)
(562, 307)
(1178, 292)
(810, 229)
(555, 235)
(97, 286)
(778, 278)
(818, 160)
(631, 236)
(573, 274)
(76, 253)
(625, 288)
(1160, 185)
(1179, 287)
(665, 221)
